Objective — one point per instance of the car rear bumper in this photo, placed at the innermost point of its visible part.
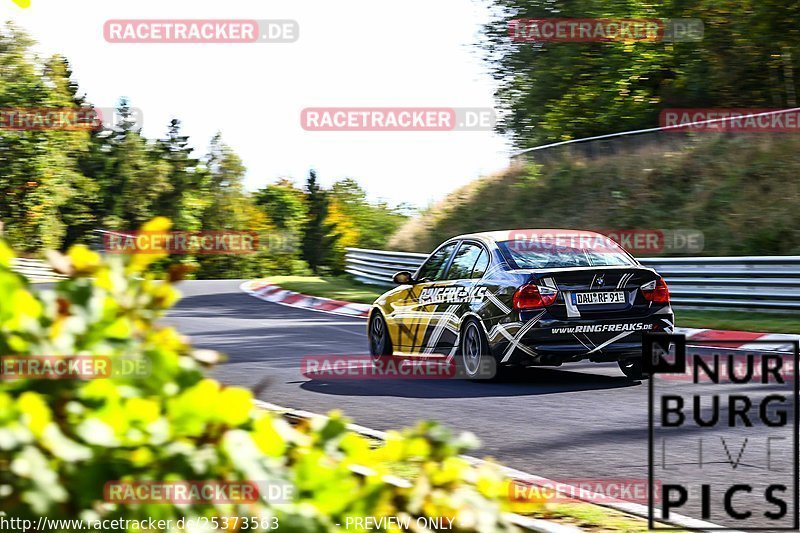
(553, 342)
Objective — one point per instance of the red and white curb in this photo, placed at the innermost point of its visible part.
(269, 292)
(740, 340)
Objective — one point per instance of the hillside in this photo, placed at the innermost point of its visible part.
(741, 190)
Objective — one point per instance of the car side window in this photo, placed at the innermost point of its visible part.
(464, 260)
(433, 269)
(480, 265)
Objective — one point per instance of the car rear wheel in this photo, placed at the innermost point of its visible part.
(632, 368)
(474, 358)
(379, 342)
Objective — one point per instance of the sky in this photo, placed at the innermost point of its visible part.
(350, 53)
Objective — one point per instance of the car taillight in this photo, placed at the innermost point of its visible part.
(533, 297)
(656, 291)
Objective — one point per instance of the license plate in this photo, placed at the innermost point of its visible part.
(592, 298)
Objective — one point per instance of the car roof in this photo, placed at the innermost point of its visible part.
(508, 235)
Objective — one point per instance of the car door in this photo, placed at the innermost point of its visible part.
(414, 314)
(458, 296)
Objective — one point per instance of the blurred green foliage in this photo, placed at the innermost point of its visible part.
(62, 440)
(318, 233)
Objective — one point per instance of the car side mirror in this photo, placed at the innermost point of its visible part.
(403, 277)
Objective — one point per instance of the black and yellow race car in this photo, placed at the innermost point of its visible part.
(525, 298)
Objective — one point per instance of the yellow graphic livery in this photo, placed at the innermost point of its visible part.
(22, 3)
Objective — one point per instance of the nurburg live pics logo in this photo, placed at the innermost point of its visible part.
(723, 446)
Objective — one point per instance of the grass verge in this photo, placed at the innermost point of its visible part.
(337, 288)
(739, 320)
(594, 518)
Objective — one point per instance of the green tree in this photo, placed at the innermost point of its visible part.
(375, 221)
(284, 204)
(129, 171)
(229, 207)
(183, 202)
(318, 239)
(555, 91)
(41, 187)
(285, 207)
(145, 180)
(357, 221)
(223, 185)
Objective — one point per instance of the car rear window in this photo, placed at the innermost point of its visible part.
(568, 252)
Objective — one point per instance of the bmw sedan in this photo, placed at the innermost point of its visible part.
(523, 298)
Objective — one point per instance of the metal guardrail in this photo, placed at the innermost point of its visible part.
(763, 283)
(377, 267)
(34, 269)
(671, 136)
(39, 270)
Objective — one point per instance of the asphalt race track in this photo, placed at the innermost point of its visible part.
(580, 421)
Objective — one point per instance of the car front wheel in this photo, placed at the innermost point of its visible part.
(379, 342)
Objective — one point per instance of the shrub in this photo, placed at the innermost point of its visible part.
(62, 440)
